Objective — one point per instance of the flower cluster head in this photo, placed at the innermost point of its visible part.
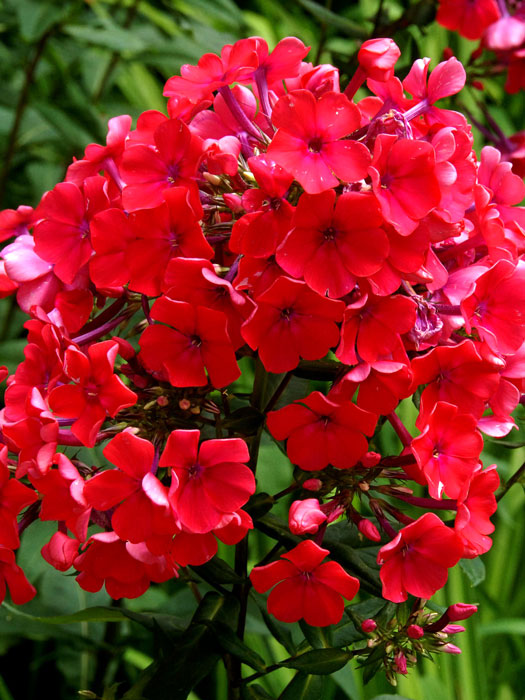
(270, 217)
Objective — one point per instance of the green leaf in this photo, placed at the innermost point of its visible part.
(253, 692)
(259, 504)
(231, 644)
(95, 614)
(304, 687)
(503, 626)
(390, 697)
(326, 16)
(317, 637)
(246, 420)
(192, 657)
(217, 571)
(277, 629)
(319, 662)
(111, 37)
(474, 569)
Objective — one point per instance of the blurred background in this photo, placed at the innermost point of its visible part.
(66, 67)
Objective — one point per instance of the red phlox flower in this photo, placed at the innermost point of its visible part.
(417, 560)
(372, 327)
(209, 482)
(455, 171)
(486, 307)
(160, 234)
(149, 171)
(126, 569)
(309, 141)
(305, 516)
(63, 496)
(284, 62)
(456, 374)
(96, 391)
(505, 34)
(332, 247)
(292, 321)
(381, 384)
(320, 431)
(507, 187)
(447, 78)
(12, 577)
(474, 510)
(38, 284)
(515, 75)
(256, 275)
(469, 18)
(142, 510)
(194, 280)
(14, 496)
(403, 174)
(268, 217)
(378, 57)
(111, 236)
(60, 551)
(306, 588)
(97, 157)
(15, 222)
(190, 549)
(447, 451)
(193, 340)
(236, 63)
(316, 79)
(33, 437)
(62, 234)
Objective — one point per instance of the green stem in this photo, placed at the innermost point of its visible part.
(514, 479)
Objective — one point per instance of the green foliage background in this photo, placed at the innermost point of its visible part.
(66, 67)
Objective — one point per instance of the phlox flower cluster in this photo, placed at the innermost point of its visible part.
(271, 216)
(500, 27)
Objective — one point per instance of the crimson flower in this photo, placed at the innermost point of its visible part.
(331, 247)
(309, 144)
(13, 497)
(292, 321)
(12, 577)
(194, 339)
(320, 432)
(447, 451)
(404, 180)
(474, 510)
(96, 390)
(209, 482)
(417, 560)
(148, 172)
(144, 510)
(305, 588)
(469, 18)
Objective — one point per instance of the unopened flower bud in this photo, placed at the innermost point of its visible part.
(212, 179)
(184, 405)
(401, 663)
(460, 611)
(368, 625)
(370, 459)
(369, 530)
(415, 631)
(378, 58)
(233, 202)
(453, 629)
(162, 401)
(305, 516)
(450, 649)
(312, 484)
